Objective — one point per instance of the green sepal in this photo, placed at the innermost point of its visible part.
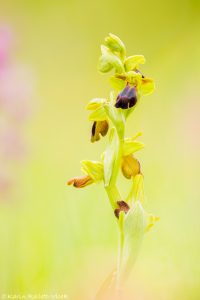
(98, 115)
(132, 62)
(117, 83)
(146, 87)
(138, 188)
(95, 103)
(93, 168)
(131, 146)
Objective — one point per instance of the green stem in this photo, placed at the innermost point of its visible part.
(117, 119)
(120, 127)
(120, 251)
(113, 195)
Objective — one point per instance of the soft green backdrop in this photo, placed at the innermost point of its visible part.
(58, 239)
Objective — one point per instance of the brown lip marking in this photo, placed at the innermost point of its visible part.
(123, 206)
(80, 182)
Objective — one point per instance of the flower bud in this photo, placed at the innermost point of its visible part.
(123, 206)
(127, 98)
(130, 166)
(108, 61)
(99, 128)
(115, 44)
(80, 182)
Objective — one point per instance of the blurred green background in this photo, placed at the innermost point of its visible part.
(56, 239)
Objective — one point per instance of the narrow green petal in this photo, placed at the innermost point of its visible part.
(138, 188)
(147, 86)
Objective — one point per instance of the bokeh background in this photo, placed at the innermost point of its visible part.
(55, 239)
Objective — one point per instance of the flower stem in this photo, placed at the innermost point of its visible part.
(113, 195)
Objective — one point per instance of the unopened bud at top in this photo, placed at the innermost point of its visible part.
(115, 44)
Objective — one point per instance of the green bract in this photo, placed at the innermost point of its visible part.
(134, 228)
(110, 116)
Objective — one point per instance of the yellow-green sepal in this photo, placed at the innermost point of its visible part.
(94, 169)
(131, 146)
(138, 188)
(96, 103)
(117, 83)
(98, 115)
(146, 87)
(132, 62)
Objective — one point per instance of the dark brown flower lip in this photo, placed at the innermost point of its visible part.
(123, 206)
(127, 98)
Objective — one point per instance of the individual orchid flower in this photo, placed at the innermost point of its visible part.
(93, 174)
(127, 98)
(98, 116)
